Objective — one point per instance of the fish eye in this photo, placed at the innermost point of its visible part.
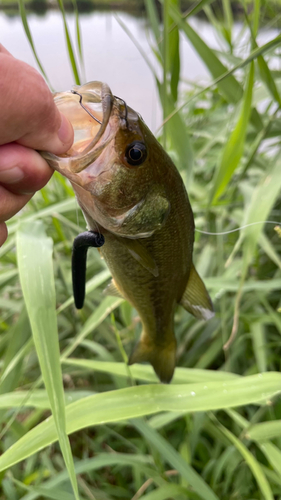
(136, 153)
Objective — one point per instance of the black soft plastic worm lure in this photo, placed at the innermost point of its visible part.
(79, 258)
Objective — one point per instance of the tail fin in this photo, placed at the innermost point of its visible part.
(161, 356)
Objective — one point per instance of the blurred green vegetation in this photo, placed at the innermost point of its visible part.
(215, 433)
(268, 8)
(102, 4)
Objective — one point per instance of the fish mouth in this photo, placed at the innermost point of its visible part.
(95, 93)
(96, 115)
(88, 107)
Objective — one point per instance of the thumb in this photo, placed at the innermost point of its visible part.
(56, 140)
(29, 115)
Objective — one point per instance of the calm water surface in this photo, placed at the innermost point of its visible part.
(109, 54)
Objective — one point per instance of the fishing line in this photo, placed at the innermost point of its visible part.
(84, 107)
(241, 227)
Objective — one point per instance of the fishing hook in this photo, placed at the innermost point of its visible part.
(79, 257)
(84, 107)
(126, 109)
(92, 116)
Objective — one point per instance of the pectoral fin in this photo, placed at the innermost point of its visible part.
(142, 220)
(146, 217)
(196, 299)
(140, 253)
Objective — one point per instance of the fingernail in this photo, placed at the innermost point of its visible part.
(11, 175)
(65, 132)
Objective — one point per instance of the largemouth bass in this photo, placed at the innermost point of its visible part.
(131, 192)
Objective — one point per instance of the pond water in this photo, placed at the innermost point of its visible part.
(109, 54)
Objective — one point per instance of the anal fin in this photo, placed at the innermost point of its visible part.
(111, 289)
(196, 299)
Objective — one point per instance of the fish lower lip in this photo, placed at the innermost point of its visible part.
(107, 101)
(94, 100)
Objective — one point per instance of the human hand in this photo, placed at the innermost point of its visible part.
(30, 121)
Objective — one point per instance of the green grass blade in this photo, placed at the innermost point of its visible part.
(37, 399)
(153, 17)
(19, 335)
(91, 285)
(230, 88)
(273, 455)
(19, 341)
(228, 20)
(259, 51)
(138, 46)
(256, 17)
(161, 419)
(264, 70)
(167, 492)
(176, 129)
(179, 139)
(142, 462)
(252, 463)
(259, 345)
(78, 35)
(146, 372)
(102, 311)
(6, 276)
(60, 207)
(268, 80)
(171, 456)
(173, 52)
(262, 201)
(30, 39)
(69, 45)
(255, 118)
(165, 69)
(222, 285)
(34, 251)
(8, 245)
(132, 402)
(16, 361)
(44, 493)
(265, 431)
(234, 148)
(196, 8)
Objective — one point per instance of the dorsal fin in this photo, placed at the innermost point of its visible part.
(196, 299)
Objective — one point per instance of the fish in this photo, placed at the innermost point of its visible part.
(131, 192)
